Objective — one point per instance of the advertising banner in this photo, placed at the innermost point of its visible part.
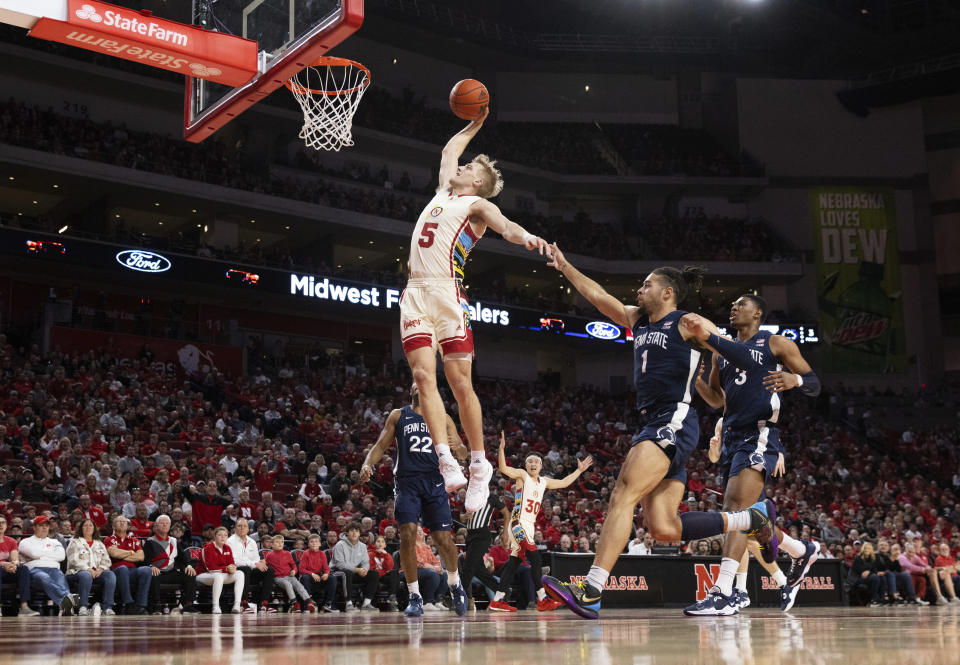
(858, 279)
(658, 581)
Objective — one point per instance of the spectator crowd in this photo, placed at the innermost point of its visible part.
(115, 472)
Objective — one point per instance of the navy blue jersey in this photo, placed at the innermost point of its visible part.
(664, 365)
(416, 455)
(748, 403)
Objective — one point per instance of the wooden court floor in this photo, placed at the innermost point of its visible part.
(811, 636)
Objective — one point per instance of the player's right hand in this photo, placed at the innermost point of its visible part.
(365, 473)
(696, 325)
(715, 441)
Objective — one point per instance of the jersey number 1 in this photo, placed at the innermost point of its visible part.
(426, 235)
(420, 445)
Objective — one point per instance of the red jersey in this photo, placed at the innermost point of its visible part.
(216, 560)
(314, 562)
(7, 545)
(128, 543)
(94, 513)
(281, 561)
(247, 510)
(381, 562)
(142, 529)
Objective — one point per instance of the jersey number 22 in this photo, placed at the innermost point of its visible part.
(420, 444)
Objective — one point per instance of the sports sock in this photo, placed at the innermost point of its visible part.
(453, 579)
(780, 578)
(792, 546)
(477, 457)
(696, 525)
(499, 595)
(597, 577)
(413, 587)
(541, 594)
(741, 582)
(738, 521)
(728, 570)
(443, 450)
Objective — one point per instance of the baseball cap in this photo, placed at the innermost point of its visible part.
(42, 519)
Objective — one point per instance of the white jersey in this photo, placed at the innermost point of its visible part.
(531, 498)
(443, 237)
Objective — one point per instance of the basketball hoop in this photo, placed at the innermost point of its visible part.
(328, 92)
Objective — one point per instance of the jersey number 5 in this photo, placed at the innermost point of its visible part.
(420, 445)
(426, 235)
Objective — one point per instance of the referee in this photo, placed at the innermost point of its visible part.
(479, 539)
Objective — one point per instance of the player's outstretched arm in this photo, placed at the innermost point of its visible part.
(381, 446)
(702, 332)
(489, 214)
(583, 465)
(800, 376)
(710, 390)
(506, 469)
(454, 440)
(610, 307)
(450, 157)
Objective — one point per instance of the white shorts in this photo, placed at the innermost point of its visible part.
(435, 312)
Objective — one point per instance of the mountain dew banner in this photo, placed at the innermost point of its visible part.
(858, 279)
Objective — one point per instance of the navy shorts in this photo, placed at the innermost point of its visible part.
(423, 497)
(745, 449)
(677, 432)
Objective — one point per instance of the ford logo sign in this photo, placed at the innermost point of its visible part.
(143, 261)
(603, 330)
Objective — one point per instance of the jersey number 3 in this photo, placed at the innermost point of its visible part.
(426, 235)
(420, 445)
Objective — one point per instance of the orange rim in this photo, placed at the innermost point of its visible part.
(326, 61)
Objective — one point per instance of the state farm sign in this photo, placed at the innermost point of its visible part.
(142, 37)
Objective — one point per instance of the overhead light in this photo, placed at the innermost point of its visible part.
(198, 226)
(287, 228)
(56, 186)
(206, 228)
(12, 178)
(398, 260)
(360, 257)
(586, 88)
(117, 216)
(35, 202)
(394, 61)
(64, 228)
(156, 203)
(253, 221)
(534, 270)
(194, 210)
(160, 223)
(371, 242)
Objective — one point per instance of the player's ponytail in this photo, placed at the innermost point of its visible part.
(684, 281)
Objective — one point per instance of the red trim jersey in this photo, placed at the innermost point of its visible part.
(129, 543)
(215, 560)
(443, 236)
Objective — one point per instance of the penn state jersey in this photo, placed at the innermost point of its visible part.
(416, 455)
(748, 403)
(665, 366)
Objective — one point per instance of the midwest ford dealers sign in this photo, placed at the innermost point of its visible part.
(142, 37)
(379, 297)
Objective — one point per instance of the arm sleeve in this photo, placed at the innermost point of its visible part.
(737, 354)
(811, 384)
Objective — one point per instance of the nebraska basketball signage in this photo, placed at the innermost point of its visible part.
(143, 261)
(381, 298)
(142, 37)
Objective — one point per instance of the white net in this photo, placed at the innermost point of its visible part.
(328, 93)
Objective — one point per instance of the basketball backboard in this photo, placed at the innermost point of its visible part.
(290, 34)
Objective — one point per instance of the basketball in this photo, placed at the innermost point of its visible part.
(468, 99)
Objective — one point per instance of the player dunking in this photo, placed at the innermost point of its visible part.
(530, 489)
(419, 491)
(747, 377)
(653, 473)
(434, 310)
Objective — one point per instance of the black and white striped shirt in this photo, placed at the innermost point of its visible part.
(481, 518)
